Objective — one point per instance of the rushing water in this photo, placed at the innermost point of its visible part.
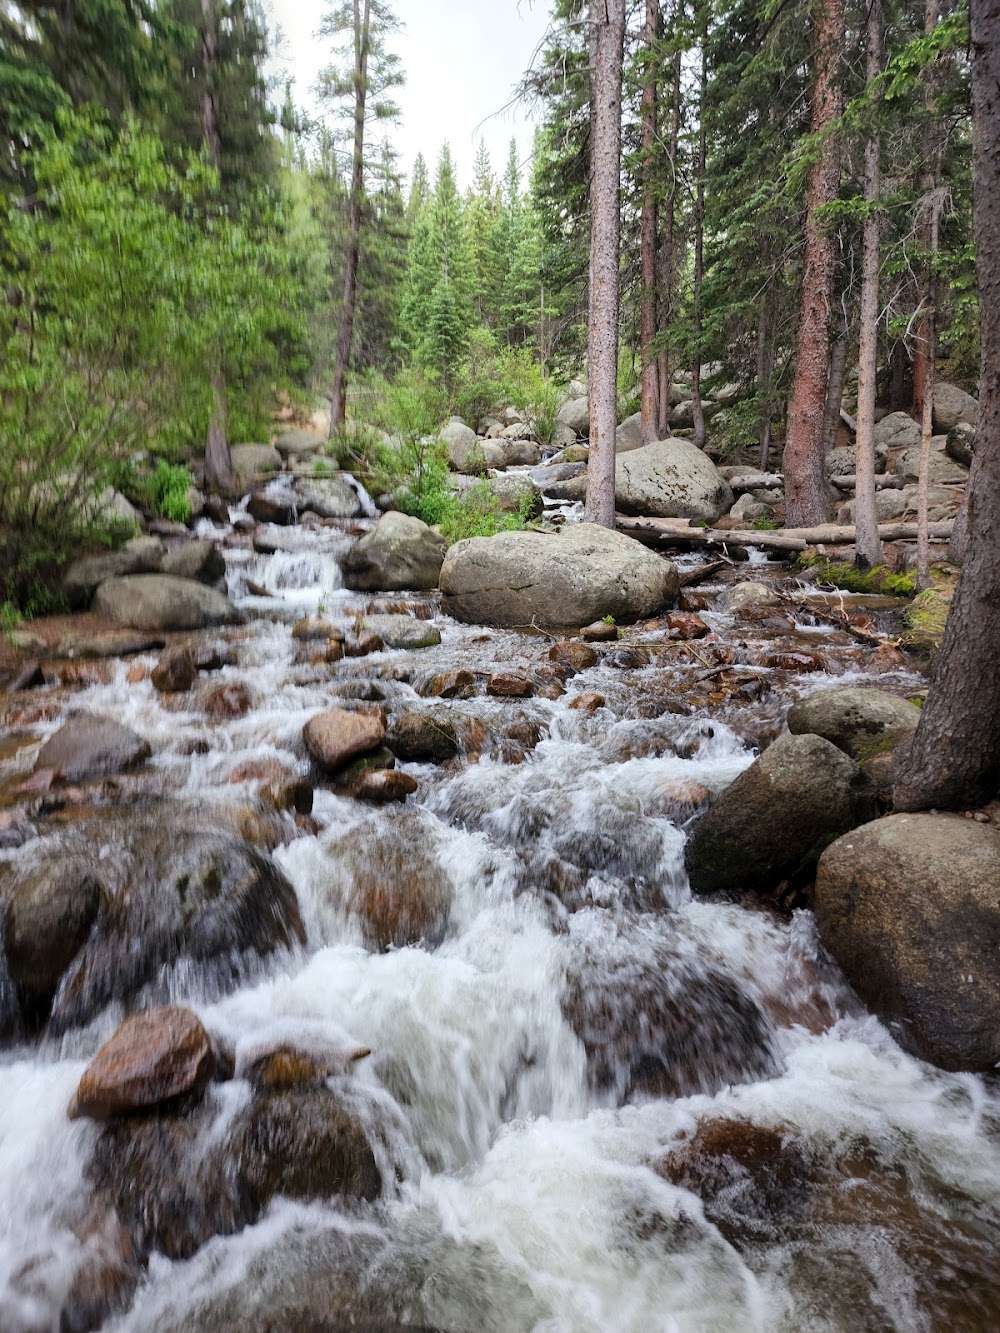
(546, 1082)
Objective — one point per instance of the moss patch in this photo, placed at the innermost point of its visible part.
(851, 579)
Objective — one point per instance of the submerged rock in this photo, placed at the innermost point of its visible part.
(908, 907)
(399, 553)
(152, 1058)
(175, 672)
(91, 746)
(858, 720)
(573, 578)
(407, 632)
(773, 822)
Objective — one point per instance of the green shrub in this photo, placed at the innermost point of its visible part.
(166, 491)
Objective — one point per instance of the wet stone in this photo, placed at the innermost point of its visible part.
(315, 628)
(573, 655)
(602, 631)
(384, 786)
(175, 672)
(588, 702)
(363, 646)
(232, 700)
(294, 795)
(422, 737)
(449, 685)
(686, 625)
(508, 685)
(91, 746)
(152, 1058)
(335, 737)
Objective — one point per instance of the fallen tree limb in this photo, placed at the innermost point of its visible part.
(888, 482)
(703, 572)
(755, 481)
(676, 532)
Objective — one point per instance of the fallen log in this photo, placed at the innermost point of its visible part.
(755, 481)
(675, 532)
(703, 572)
(888, 482)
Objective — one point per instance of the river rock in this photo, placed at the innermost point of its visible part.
(230, 700)
(898, 430)
(81, 580)
(384, 786)
(335, 737)
(91, 746)
(773, 822)
(162, 602)
(575, 414)
(843, 461)
(200, 560)
(960, 443)
(747, 598)
(571, 579)
(402, 631)
(328, 497)
(252, 461)
(394, 884)
(671, 479)
(509, 685)
(573, 655)
(48, 918)
(277, 509)
(858, 720)
(908, 907)
(516, 493)
(175, 672)
(399, 553)
(152, 1058)
(427, 737)
(173, 897)
(952, 405)
(573, 489)
(465, 449)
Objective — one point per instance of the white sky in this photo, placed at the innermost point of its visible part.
(462, 59)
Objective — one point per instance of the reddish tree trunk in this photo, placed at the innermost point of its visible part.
(668, 259)
(922, 366)
(806, 492)
(697, 408)
(954, 758)
(607, 40)
(345, 331)
(649, 403)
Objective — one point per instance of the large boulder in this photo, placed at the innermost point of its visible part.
(465, 449)
(200, 560)
(163, 602)
(908, 906)
(327, 497)
(898, 430)
(295, 445)
(952, 405)
(516, 493)
(857, 720)
(843, 461)
(572, 578)
(961, 443)
(399, 553)
(575, 414)
(671, 479)
(91, 746)
(407, 632)
(628, 436)
(940, 467)
(773, 822)
(81, 580)
(253, 461)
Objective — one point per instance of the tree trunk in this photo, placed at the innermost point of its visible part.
(928, 341)
(764, 369)
(219, 474)
(649, 403)
(835, 389)
(869, 548)
(607, 40)
(697, 408)
(922, 366)
(805, 486)
(954, 758)
(345, 331)
(668, 264)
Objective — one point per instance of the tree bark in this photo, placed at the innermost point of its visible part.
(345, 330)
(954, 758)
(922, 365)
(668, 264)
(805, 486)
(607, 40)
(697, 407)
(649, 402)
(219, 474)
(835, 389)
(928, 341)
(869, 548)
(764, 369)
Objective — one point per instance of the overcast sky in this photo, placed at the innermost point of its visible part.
(462, 59)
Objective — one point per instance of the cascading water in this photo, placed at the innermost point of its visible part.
(594, 1103)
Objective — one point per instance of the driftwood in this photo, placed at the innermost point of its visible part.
(755, 481)
(676, 532)
(703, 572)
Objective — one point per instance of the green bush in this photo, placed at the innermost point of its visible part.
(166, 491)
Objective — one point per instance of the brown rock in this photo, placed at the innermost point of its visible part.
(230, 700)
(295, 795)
(363, 646)
(509, 685)
(334, 737)
(588, 702)
(423, 737)
(316, 628)
(686, 625)
(137, 673)
(629, 659)
(91, 746)
(288, 1066)
(175, 672)
(601, 631)
(383, 786)
(152, 1058)
(573, 655)
(396, 887)
(449, 685)
(261, 770)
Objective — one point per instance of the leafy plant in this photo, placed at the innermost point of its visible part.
(167, 491)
